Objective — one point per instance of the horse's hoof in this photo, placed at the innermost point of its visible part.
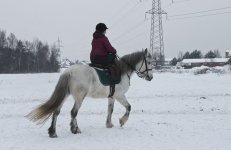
(75, 130)
(109, 125)
(121, 122)
(53, 135)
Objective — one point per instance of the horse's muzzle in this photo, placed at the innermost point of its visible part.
(148, 78)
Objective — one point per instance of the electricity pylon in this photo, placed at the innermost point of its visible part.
(156, 34)
(59, 48)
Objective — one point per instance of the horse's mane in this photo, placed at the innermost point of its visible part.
(128, 62)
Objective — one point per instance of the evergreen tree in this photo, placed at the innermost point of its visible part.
(173, 62)
(196, 54)
(210, 54)
(186, 55)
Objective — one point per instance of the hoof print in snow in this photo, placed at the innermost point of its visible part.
(202, 97)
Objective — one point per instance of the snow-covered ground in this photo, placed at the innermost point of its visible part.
(172, 112)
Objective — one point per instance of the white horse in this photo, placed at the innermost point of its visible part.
(82, 80)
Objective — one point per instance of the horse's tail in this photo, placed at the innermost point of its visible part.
(43, 112)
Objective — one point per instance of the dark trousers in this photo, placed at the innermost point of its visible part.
(109, 60)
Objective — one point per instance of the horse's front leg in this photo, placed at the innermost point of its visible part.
(111, 102)
(123, 100)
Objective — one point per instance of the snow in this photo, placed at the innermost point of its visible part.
(202, 70)
(172, 112)
(222, 60)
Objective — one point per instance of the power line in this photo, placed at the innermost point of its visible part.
(176, 2)
(140, 34)
(181, 18)
(199, 12)
(123, 16)
(180, 1)
(120, 10)
(129, 30)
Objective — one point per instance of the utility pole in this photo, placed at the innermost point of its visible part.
(59, 48)
(156, 34)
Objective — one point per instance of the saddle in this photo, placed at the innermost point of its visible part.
(108, 75)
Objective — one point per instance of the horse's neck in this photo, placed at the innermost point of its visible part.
(128, 63)
(127, 71)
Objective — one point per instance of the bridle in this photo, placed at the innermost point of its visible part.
(141, 74)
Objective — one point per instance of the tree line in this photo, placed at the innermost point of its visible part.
(196, 54)
(17, 56)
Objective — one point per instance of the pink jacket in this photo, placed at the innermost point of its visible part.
(101, 46)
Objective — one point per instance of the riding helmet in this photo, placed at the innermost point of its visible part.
(101, 27)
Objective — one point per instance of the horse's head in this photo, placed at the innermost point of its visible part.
(144, 68)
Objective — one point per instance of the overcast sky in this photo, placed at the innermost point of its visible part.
(73, 21)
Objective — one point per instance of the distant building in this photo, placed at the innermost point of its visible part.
(190, 63)
(167, 61)
(66, 63)
(228, 53)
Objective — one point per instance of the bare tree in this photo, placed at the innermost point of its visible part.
(180, 56)
(12, 41)
(3, 42)
(217, 53)
(29, 47)
(19, 50)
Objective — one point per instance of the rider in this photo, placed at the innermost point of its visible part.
(102, 51)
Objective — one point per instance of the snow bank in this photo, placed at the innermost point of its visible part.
(202, 70)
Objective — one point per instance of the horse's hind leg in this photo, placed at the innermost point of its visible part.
(78, 102)
(52, 129)
(74, 126)
(111, 102)
(124, 102)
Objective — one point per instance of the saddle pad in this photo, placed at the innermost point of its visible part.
(104, 76)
